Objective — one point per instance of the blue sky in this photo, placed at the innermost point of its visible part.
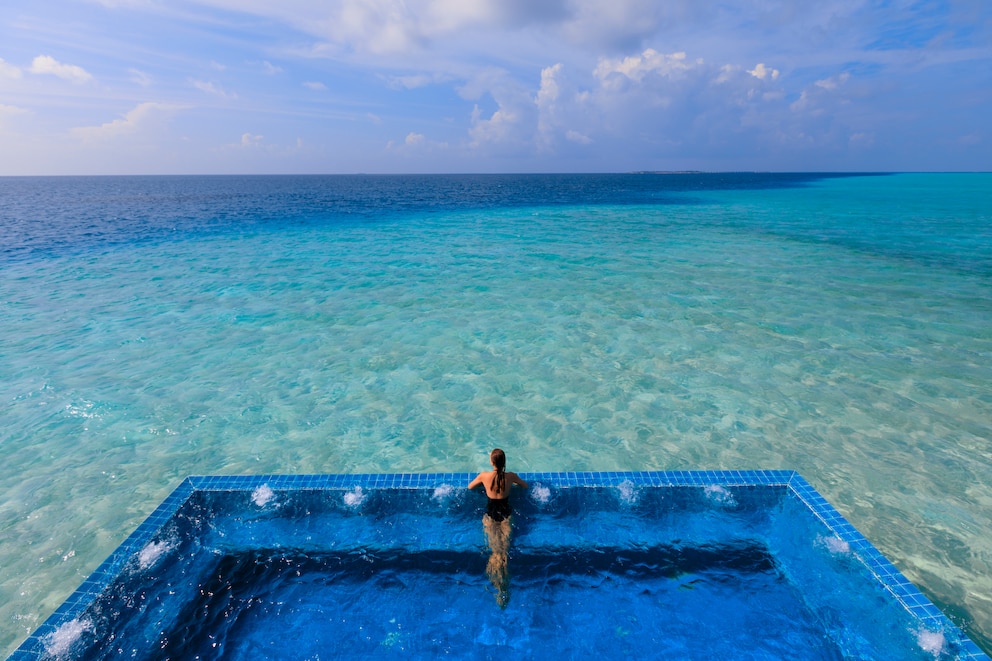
(343, 86)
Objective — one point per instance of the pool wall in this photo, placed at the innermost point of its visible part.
(926, 614)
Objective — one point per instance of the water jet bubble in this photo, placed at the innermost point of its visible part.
(152, 553)
(932, 642)
(628, 492)
(59, 643)
(354, 498)
(442, 493)
(836, 545)
(720, 496)
(262, 496)
(540, 494)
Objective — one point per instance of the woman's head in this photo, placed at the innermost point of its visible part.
(498, 459)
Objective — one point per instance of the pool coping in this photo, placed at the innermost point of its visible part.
(908, 595)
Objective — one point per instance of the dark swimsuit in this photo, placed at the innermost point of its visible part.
(498, 509)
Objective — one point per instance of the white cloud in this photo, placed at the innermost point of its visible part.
(270, 69)
(970, 140)
(249, 141)
(8, 70)
(761, 72)
(548, 93)
(637, 67)
(727, 72)
(415, 81)
(814, 98)
(833, 82)
(46, 64)
(416, 144)
(143, 116)
(315, 86)
(10, 111)
(390, 27)
(548, 111)
(862, 139)
(619, 24)
(513, 123)
(210, 88)
(575, 136)
(140, 77)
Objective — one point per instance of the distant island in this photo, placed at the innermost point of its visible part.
(668, 172)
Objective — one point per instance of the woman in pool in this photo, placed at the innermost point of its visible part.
(496, 520)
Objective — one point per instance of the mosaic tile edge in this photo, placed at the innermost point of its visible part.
(887, 574)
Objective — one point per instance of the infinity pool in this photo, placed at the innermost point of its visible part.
(715, 565)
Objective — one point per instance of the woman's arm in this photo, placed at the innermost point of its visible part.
(515, 479)
(476, 482)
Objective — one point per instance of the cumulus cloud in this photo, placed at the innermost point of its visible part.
(547, 104)
(761, 72)
(511, 124)
(416, 144)
(143, 117)
(813, 98)
(636, 67)
(249, 141)
(560, 78)
(48, 65)
(9, 70)
(648, 102)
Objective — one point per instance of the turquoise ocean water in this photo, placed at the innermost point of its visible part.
(152, 328)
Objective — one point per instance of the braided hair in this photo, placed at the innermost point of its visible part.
(498, 457)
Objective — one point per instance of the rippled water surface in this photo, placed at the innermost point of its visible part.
(152, 328)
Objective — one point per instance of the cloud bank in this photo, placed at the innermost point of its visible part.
(495, 85)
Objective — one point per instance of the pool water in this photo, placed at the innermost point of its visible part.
(712, 565)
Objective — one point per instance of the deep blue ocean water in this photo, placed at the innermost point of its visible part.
(154, 327)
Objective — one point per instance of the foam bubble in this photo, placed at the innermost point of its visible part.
(59, 642)
(836, 545)
(354, 498)
(152, 553)
(932, 642)
(263, 495)
(720, 496)
(442, 492)
(540, 494)
(82, 410)
(628, 492)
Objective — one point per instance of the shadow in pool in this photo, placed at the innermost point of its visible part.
(345, 602)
